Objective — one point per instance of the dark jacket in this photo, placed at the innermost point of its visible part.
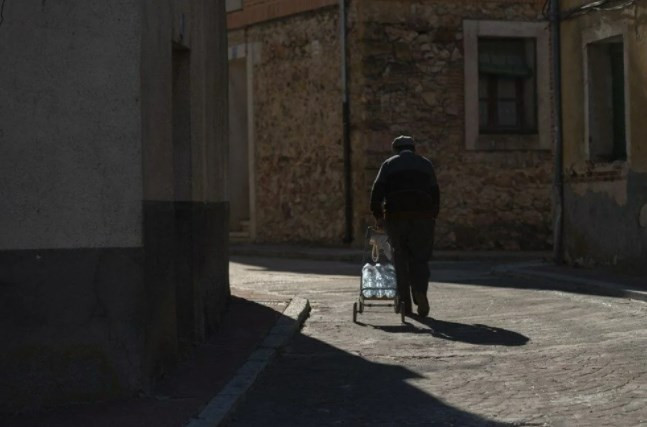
(406, 185)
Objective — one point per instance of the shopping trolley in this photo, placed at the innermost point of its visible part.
(378, 284)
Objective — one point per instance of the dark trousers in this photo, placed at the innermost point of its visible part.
(412, 240)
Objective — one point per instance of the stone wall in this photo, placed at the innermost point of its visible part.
(298, 129)
(408, 78)
(406, 75)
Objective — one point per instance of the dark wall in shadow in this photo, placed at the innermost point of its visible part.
(184, 392)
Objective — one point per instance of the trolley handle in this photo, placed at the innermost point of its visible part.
(375, 250)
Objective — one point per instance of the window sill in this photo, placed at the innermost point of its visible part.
(598, 172)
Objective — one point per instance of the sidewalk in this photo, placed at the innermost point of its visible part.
(517, 264)
(183, 396)
(604, 282)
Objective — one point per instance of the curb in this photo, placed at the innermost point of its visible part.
(607, 288)
(219, 408)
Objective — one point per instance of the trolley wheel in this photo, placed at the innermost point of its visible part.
(402, 312)
(354, 312)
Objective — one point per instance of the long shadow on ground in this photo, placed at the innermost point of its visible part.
(315, 384)
(310, 384)
(471, 334)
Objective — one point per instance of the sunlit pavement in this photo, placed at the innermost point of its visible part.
(495, 351)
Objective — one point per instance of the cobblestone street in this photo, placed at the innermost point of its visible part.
(496, 351)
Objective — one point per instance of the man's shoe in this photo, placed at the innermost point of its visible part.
(423, 304)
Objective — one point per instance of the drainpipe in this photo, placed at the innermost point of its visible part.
(348, 191)
(558, 179)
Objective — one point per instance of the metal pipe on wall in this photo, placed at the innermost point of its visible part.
(348, 190)
(558, 179)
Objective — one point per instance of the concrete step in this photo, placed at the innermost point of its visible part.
(239, 237)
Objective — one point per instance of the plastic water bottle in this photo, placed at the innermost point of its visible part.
(379, 279)
(374, 282)
(368, 280)
(389, 279)
(380, 291)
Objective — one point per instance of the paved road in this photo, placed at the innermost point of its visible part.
(499, 351)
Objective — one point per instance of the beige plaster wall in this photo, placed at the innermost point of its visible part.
(604, 201)
(71, 166)
(632, 23)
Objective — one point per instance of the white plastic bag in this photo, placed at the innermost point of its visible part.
(380, 242)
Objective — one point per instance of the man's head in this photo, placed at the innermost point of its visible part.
(403, 142)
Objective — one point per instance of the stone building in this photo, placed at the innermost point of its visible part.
(604, 55)
(113, 227)
(469, 79)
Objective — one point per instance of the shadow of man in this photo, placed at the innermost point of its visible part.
(476, 334)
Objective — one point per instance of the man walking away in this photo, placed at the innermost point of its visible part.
(405, 198)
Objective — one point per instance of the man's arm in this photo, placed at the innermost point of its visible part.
(378, 193)
(435, 193)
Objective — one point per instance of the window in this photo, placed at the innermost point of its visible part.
(507, 85)
(507, 88)
(606, 100)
